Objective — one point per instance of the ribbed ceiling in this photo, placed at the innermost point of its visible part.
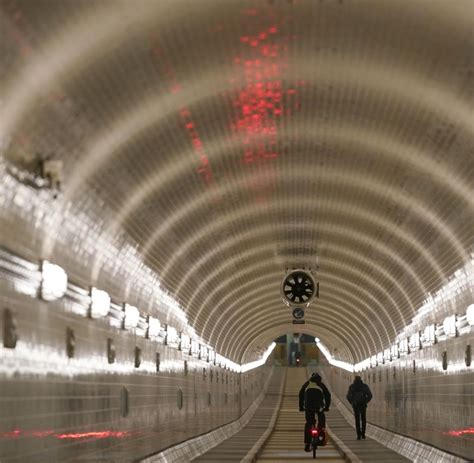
(229, 140)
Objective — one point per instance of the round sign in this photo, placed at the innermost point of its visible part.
(298, 313)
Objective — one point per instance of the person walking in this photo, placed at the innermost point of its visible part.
(359, 396)
(315, 399)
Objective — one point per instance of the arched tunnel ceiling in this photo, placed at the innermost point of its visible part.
(232, 140)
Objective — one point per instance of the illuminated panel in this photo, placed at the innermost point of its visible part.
(404, 347)
(195, 348)
(131, 316)
(100, 303)
(54, 281)
(203, 352)
(449, 326)
(470, 314)
(428, 336)
(415, 342)
(172, 336)
(185, 343)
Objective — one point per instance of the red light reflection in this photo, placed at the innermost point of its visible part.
(263, 99)
(174, 87)
(461, 432)
(17, 433)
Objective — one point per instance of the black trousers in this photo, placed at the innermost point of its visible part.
(310, 421)
(360, 419)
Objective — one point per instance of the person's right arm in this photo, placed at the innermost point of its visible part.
(350, 395)
(368, 393)
(301, 395)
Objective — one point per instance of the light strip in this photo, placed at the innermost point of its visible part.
(337, 363)
(257, 363)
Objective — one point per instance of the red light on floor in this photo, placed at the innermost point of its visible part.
(461, 432)
(94, 435)
(16, 433)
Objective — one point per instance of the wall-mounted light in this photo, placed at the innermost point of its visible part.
(428, 336)
(403, 347)
(185, 343)
(100, 303)
(132, 315)
(470, 314)
(414, 342)
(154, 327)
(172, 337)
(194, 348)
(449, 326)
(54, 281)
(203, 352)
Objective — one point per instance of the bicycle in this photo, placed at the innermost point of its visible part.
(318, 438)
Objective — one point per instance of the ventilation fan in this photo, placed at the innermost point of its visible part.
(298, 287)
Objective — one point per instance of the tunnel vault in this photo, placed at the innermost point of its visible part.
(213, 145)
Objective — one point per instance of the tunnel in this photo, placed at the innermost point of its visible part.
(205, 204)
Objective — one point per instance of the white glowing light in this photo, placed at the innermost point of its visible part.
(414, 341)
(470, 314)
(203, 352)
(185, 342)
(100, 303)
(211, 355)
(428, 337)
(195, 348)
(394, 350)
(257, 363)
(337, 363)
(154, 327)
(54, 281)
(172, 336)
(449, 325)
(387, 355)
(132, 315)
(404, 347)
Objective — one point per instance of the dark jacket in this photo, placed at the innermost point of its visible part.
(314, 396)
(359, 394)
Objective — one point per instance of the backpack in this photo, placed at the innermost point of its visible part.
(359, 397)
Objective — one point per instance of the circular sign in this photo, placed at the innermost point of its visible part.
(298, 313)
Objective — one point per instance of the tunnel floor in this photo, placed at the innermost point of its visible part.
(285, 443)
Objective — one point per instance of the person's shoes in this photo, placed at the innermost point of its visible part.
(307, 448)
(358, 437)
(363, 436)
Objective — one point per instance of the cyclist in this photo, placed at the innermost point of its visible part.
(314, 398)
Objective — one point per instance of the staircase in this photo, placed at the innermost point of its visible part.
(286, 443)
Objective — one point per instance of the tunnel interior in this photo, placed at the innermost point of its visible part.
(166, 165)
